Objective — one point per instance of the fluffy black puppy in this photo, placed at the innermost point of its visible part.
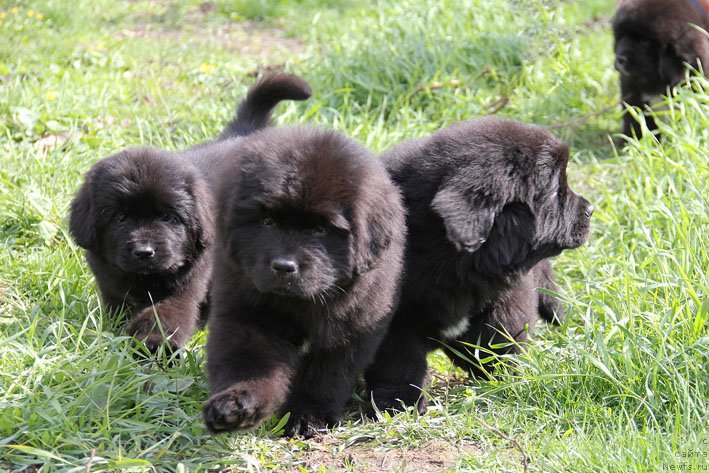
(146, 220)
(653, 41)
(308, 258)
(487, 201)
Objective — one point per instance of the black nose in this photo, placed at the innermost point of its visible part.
(588, 211)
(143, 251)
(284, 265)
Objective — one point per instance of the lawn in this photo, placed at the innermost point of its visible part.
(622, 385)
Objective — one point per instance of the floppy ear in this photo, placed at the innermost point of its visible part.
(671, 65)
(511, 236)
(467, 220)
(691, 47)
(82, 225)
(204, 220)
(374, 231)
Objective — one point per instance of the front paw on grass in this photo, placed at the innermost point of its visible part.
(154, 348)
(153, 337)
(306, 425)
(234, 408)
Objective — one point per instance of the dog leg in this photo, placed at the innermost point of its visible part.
(324, 383)
(550, 308)
(249, 373)
(170, 321)
(630, 126)
(399, 373)
(497, 331)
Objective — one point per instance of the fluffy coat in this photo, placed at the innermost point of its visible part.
(146, 220)
(487, 202)
(308, 259)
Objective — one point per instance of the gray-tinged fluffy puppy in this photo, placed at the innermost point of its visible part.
(308, 259)
(654, 39)
(146, 219)
(487, 202)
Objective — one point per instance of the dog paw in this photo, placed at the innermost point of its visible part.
(143, 327)
(394, 400)
(236, 407)
(152, 344)
(305, 425)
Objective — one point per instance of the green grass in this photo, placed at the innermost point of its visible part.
(622, 385)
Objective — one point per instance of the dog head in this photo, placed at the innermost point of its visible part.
(306, 212)
(654, 38)
(143, 212)
(507, 201)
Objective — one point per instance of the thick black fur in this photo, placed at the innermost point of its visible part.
(308, 259)
(653, 41)
(487, 202)
(146, 220)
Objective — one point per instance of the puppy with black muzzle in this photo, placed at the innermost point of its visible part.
(491, 206)
(654, 39)
(308, 260)
(146, 220)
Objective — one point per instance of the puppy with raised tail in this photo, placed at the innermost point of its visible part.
(146, 220)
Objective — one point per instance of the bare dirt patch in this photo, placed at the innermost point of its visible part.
(327, 453)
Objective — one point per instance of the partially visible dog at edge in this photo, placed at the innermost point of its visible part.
(654, 40)
(146, 219)
(487, 203)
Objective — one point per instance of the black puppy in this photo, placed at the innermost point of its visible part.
(487, 201)
(308, 258)
(146, 220)
(653, 41)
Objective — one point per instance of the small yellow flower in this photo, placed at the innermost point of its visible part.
(206, 68)
(15, 10)
(30, 13)
(38, 15)
(3, 15)
(50, 96)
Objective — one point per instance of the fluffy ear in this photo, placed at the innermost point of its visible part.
(691, 47)
(671, 65)
(204, 218)
(467, 220)
(376, 225)
(511, 236)
(82, 225)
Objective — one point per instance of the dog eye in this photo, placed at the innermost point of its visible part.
(319, 230)
(169, 218)
(121, 217)
(267, 222)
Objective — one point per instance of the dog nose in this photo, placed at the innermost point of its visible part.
(284, 266)
(588, 211)
(143, 251)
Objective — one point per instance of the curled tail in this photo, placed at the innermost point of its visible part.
(254, 112)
